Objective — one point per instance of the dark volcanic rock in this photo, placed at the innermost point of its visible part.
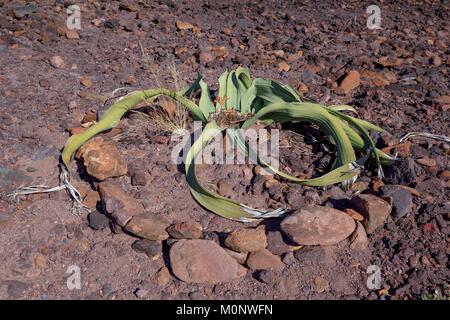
(97, 220)
(401, 199)
(402, 171)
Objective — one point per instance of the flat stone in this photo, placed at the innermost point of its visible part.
(266, 276)
(163, 277)
(264, 259)
(16, 288)
(246, 240)
(149, 247)
(203, 261)
(117, 204)
(22, 11)
(374, 210)
(148, 226)
(56, 62)
(185, 230)
(97, 220)
(359, 240)
(350, 82)
(401, 199)
(11, 179)
(318, 225)
(276, 243)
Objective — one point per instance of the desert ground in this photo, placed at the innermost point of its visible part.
(55, 81)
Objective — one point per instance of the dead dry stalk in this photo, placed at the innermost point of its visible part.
(169, 116)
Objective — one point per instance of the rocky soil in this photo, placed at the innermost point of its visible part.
(144, 236)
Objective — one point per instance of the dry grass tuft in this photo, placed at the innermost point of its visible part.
(167, 115)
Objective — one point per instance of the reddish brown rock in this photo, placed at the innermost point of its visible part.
(350, 82)
(86, 81)
(77, 130)
(102, 159)
(276, 243)
(358, 240)
(374, 79)
(89, 118)
(375, 210)
(203, 261)
(185, 230)
(283, 66)
(354, 214)
(390, 61)
(72, 34)
(246, 240)
(225, 188)
(148, 226)
(91, 199)
(443, 100)
(318, 225)
(263, 260)
(428, 162)
(163, 276)
(183, 25)
(117, 204)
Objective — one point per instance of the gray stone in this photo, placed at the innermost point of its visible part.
(16, 288)
(401, 199)
(22, 11)
(276, 243)
(98, 221)
(266, 276)
(149, 247)
(402, 171)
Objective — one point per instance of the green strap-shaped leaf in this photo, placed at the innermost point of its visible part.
(273, 92)
(233, 97)
(205, 103)
(314, 113)
(191, 88)
(220, 205)
(345, 156)
(112, 117)
(371, 148)
(221, 103)
(248, 100)
(244, 75)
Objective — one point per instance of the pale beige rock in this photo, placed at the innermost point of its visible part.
(318, 225)
(102, 159)
(246, 240)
